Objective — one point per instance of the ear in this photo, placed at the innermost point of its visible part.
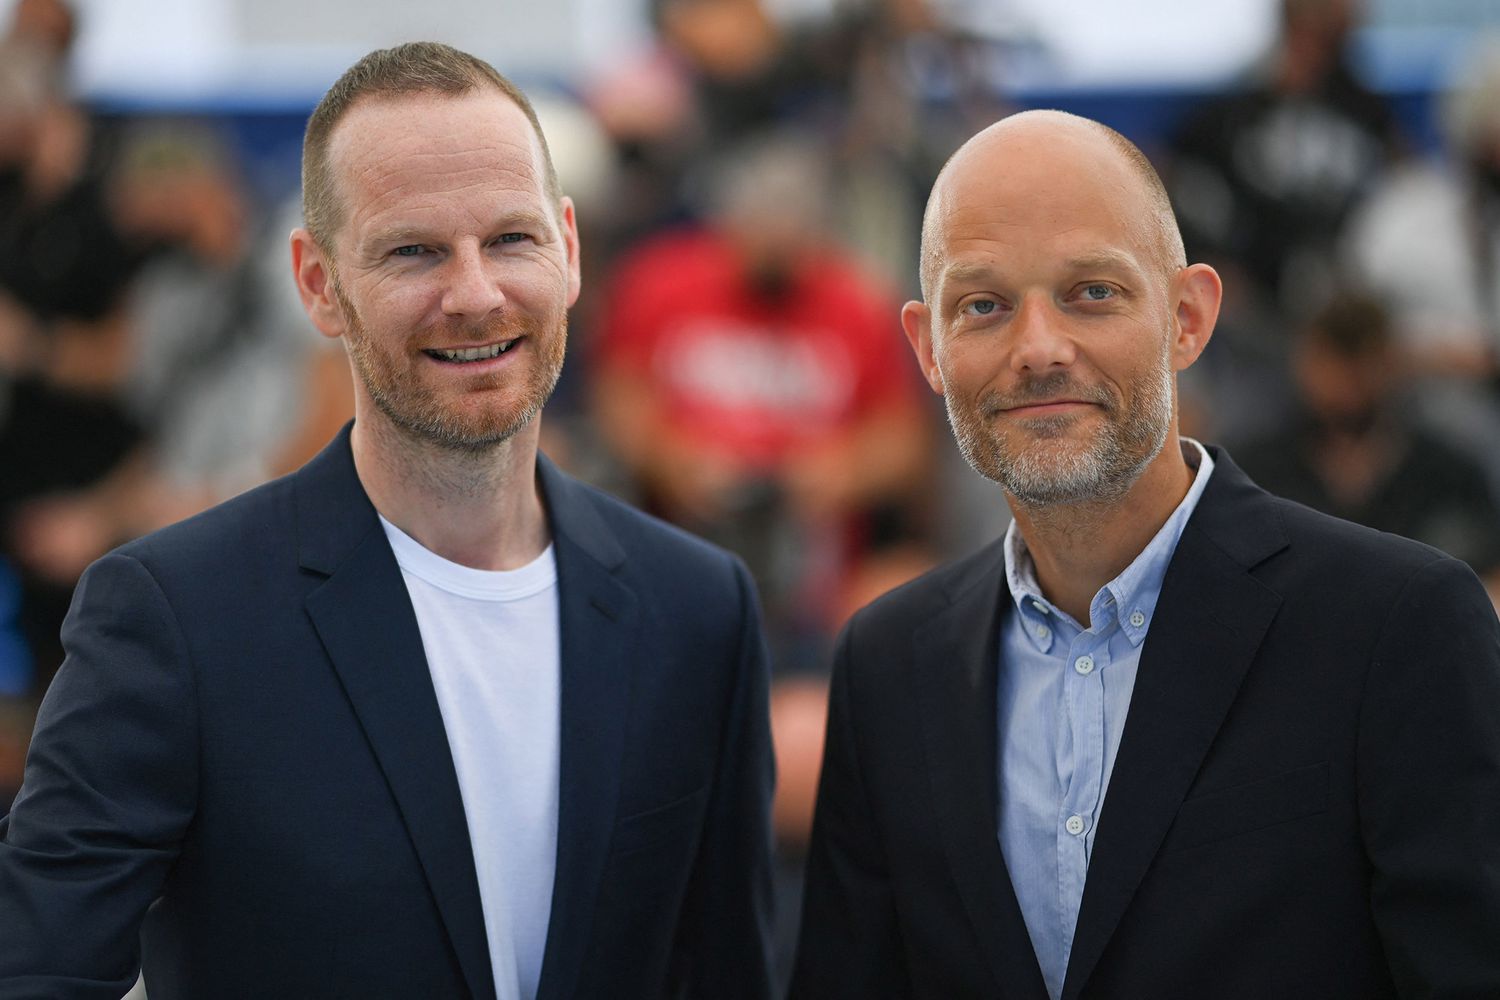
(916, 320)
(315, 285)
(1197, 293)
(570, 241)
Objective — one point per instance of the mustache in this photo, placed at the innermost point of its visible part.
(481, 332)
(503, 327)
(1058, 385)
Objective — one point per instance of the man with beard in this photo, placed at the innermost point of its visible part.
(427, 718)
(1171, 736)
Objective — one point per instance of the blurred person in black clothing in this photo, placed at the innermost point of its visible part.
(204, 379)
(715, 71)
(1263, 177)
(919, 82)
(227, 370)
(62, 254)
(59, 437)
(1427, 240)
(892, 86)
(65, 268)
(1354, 451)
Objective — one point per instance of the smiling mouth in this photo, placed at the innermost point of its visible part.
(464, 355)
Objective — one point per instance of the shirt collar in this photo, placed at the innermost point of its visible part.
(1130, 598)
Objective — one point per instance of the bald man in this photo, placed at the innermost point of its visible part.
(1170, 737)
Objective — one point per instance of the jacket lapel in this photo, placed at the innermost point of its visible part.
(364, 617)
(1209, 622)
(958, 716)
(596, 616)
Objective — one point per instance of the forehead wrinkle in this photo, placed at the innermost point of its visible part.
(409, 199)
(489, 160)
(363, 154)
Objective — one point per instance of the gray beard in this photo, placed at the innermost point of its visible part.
(1103, 471)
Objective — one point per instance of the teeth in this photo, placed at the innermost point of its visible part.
(474, 353)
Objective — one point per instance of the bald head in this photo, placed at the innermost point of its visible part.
(1037, 153)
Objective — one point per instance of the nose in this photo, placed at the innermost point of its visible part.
(473, 286)
(1039, 339)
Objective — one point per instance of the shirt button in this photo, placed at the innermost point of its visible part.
(1038, 605)
(1084, 664)
(1042, 631)
(1137, 619)
(1074, 825)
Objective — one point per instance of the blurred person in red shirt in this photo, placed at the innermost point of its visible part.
(747, 362)
(745, 375)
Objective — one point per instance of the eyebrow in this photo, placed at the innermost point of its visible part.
(962, 272)
(397, 235)
(1104, 260)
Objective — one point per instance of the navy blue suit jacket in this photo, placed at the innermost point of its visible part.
(1305, 804)
(245, 740)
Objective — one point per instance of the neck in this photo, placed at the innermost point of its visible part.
(1077, 548)
(477, 508)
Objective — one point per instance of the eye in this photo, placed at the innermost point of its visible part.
(1098, 292)
(513, 237)
(410, 250)
(981, 307)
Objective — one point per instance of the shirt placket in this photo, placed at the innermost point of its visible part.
(1083, 694)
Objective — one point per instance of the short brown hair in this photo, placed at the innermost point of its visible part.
(412, 68)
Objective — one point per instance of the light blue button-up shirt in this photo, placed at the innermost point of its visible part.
(1063, 694)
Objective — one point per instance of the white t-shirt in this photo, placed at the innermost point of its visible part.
(491, 639)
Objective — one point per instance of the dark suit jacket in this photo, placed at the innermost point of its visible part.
(1305, 804)
(245, 739)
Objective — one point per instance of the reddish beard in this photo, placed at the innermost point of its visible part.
(401, 385)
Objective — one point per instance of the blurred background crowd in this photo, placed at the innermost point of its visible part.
(750, 178)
